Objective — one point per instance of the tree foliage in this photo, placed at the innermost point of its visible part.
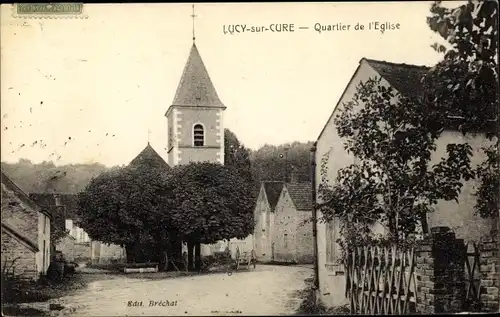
(144, 208)
(268, 162)
(210, 202)
(46, 177)
(393, 181)
(237, 155)
(124, 206)
(465, 83)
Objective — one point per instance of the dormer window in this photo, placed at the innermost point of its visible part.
(198, 135)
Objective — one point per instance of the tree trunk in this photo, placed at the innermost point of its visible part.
(129, 250)
(392, 225)
(190, 247)
(197, 256)
(425, 224)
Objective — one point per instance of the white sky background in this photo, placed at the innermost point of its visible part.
(117, 72)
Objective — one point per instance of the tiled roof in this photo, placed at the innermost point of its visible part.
(273, 190)
(150, 158)
(403, 77)
(195, 87)
(67, 210)
(10, 185)
(301, 194)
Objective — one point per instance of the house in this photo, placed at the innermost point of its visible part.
(25, 233)
(267, 199)
(330, 151)
(292, 238)
(77, 245)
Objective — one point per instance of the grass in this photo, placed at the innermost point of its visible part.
(42, 290)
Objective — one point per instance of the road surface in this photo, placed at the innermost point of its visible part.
(269, 290)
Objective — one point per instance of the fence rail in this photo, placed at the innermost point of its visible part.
(381, 280)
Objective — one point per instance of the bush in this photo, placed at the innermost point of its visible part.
(17, 290)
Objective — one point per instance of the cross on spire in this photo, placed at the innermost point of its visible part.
(193, 16)
(149, 135)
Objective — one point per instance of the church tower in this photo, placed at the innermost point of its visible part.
(195, 118)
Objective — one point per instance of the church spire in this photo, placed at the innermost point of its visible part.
(195, 87)
(193, 16)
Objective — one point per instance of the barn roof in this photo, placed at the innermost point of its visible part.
(301, 195)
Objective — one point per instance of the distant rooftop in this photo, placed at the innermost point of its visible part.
(301, 194)
(149, 157)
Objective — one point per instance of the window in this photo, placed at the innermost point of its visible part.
(285, 240)
(198, 135)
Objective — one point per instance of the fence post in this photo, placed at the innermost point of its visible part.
(440, 272)
(489, 269)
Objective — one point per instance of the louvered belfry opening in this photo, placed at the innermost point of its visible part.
(198, 135)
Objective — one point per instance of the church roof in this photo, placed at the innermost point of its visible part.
(149, 157)
(301, 194)
(273, 190)
(195, 87)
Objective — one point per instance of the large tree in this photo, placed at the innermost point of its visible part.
(210, 202)
(465, 83)
(393, 138)
(237, 155)
(125, 206)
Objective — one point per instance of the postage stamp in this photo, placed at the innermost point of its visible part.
(50, 10)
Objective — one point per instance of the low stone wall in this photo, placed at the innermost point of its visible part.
(489, 269)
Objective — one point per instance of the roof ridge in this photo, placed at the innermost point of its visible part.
(395, 64)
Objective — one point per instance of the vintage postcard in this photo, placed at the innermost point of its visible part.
(192, 159)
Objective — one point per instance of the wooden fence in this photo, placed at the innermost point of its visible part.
(472, 278)
(381, 280)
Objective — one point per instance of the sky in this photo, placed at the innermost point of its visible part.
(89, 90)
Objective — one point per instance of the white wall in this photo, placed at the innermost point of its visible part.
(43, 243)
(330, 145)
(460, 217)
